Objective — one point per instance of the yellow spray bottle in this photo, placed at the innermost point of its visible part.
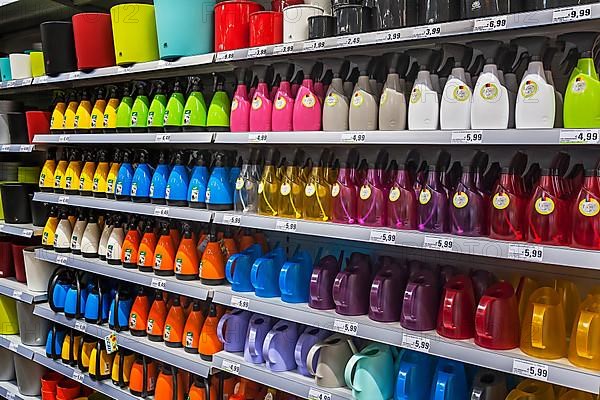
(317, 192)
(83, 116)
(109, 119)
(269, 185)
(46, 181)
(58, 112)
(97, 117)
(71, 111)
(60, 170)
(111, 179)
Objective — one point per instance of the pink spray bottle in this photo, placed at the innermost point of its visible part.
(373, 193)
(262, 106)
(344, 192)
(402, 200)
(307, 106)
(283, 100)
(240, 105)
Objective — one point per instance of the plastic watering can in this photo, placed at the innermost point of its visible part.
(265, 273)
(532, 390)
(58, 285)
(351, 289)
(294, 278)
(489, 385)
(386, 294)
(327, 360)
(75, 298)
(279, 346)
(414, 377)
(449, 381)
(306, 341)
(54, 342)
(120, 310)
(321, 282)
(420, 304)
(368, 373)
(232, 329)
(258, 328)
(97, 305)
(238, 269)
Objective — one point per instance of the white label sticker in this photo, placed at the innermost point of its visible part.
(74, 75)
(13, 347)
(225, 56)
(80, 326)
(64, 138)
(166, 64)
(438, 243)
(26, 148)
(525, 252)
(5, 148)
(286, 226)
(63, 200)
(417, 343)
(231, 367)
(354, 137)
(352, 40)
(389, 36)
(17, 294)
(467, 137)
(62, 260)
(487, 24)
(257, 52)
(427, 31)
(125, 70)
(379, 236)
(11, 83)
(161, 211)
(283, 49)
(78, 376)
(257, 137)
(530, 370)
(239, 302)
(312, 45)
(232, 219)
(41, 79)
(345, 327)
(27, 233)
(579, 136)
(162, 138)
(158, 284)
(570, 14)
(318, 394)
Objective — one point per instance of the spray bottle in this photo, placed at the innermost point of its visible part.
(109, 118)
(423, 109)
(140, 109)
(455, 110)
(156, 113)
(392, 104)
(240, 105)
(178, 182)
(402, 200)
(316, 204)
(344, 192)
(111, 179)
(46, 183)
(71, 111)
(364, 109)
(173, 117)
(246, 185)
(196, 197)
(371, 209)
(194, 111)
(86, 178)
(292, 183)
(140, 184)
(124, 110)
(269, 185)
(158, 185)
(60, 170)
(97, 116)
(124, 178)
(468, 208)
(220, 108)
(432, 207)
(146, 250)
(307, 106)
(490, 108)
(101, 175)
(186, 259)
(283, 99)
(70, 181)
(219, 193)
(558, 97)
(58, 112)
(336, 108)
(83, 116)
(261, 112)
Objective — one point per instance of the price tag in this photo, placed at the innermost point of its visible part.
(41, 80)
(11, 84)
(286, 226)
(389, 36)
(165, 64)
(317, 394)
(26, 81)
(417, 343)
(438, 243)
(26, 148)
(579, 136)
(27, 233)
(161, 211)
(283, 49)
(525, 252)
(530, 370)
(467, 137)
(225, 56)
(570, 14)
(111, 343)
(62, 260)
(352, 40)
(80, 326)
(10, 396)
(378, 236)
(158, 284)
(5, 148)
(313, 45)
(74, 75)
(487, 24)
(64, 138)
(162, 138)
(345, 327)
(17, 294)
(257, 52)
(257, 137)
(427, 31)
(231, 367)
(13, 347)
(78, 376)
(354, 137)
(239, 302)
(63, 200)
(232, 219)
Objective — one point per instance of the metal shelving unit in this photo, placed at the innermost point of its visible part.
(17, 290)
(126, 138)
(23, 230)
(158, 351)
(10, 391)
(289, 381)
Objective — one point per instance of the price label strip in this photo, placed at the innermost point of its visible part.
(162, 138)
(27, 233)
(313, 45)
(579, 136)
(379, 236)
(345, 327)
(158, 283)
(353, 40)
(26, 148)
(526, 252)
(571, 14)
(257, 52)
(80, 326)
(13, 347)
(389, 36)
(354, 137)
(286, 226)
(488, 24)
(64, 138)
(5, 148)
(62, 260)
(257, 137)
(318, 394)
(78, 376)
(232, 219)
(240, 302)
(111, 343)
(10, 396)
(63, 200)
(225, 56)
(17, 294)
(467, 137)
(231, 367)
(161, 211)
(427, 31)
(417, 343)
(283, 49)
(438, 243)
(530, 369)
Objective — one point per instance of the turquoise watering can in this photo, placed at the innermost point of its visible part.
(368, 372)
(414, 377)
(449, 381)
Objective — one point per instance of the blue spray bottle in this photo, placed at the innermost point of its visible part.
(140, 186)
(198, 182)
(124, 178)
(219, 194)
(177, 185)
(158, 186)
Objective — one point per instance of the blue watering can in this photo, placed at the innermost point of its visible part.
(120, 308)
(97, 305)
(58, 286)
(265, 273)
(414, 377)
(238, 269)
(75, 298)
(294, 278)
(449, 381)
(54, 342)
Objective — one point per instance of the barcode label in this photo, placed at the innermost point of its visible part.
(231, 367)
(345, 327)
(416, 343)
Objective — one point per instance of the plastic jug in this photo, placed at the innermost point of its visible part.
(232, 330)
(414, 376)
(368, 373)
(582, 351)
(421, 300)
(327, 360)
(457, 309)
(238, 269)
(449, 381)
(265, 273)
(278, 348)
(386, 294)
(322, 281)
(352, 287)
(258, 328)
(532, 390)
(489, 385)
(497, 318)
(294, 278)
(306, 341)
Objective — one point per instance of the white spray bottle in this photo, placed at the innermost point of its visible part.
(423, 109)
(455, 109)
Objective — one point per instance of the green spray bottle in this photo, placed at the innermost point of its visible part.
(220, 108)
(174, 112)
(582, 95)
(156, 114)
(194, 112)
(124, 110)
(140, 109)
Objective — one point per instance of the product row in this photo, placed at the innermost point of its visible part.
(17, 184)
(18, 126)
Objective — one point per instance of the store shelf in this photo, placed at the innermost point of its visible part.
(126, 138)
(23, 230)
(13, 343)
(559, 372)
(10, 391)
(192, 289)
(17, 148)
(17, 290)
(158, 351)
(289, 381)
(125, 206)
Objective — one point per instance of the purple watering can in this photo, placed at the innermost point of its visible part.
(306, 341)
(386, 294)
(279, 345)
(258, 328)
(232, 330)
(351, 288)
(321, 282)
(421, 302)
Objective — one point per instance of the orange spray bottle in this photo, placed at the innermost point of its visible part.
(131, 245)
(212, 265)
(192, 329)
(229, 245)
(138, 317)
(156, 318)
(145, 259)
(164, 254)
(209, 341)
(174, 233)
(174, 324)
(187, 261)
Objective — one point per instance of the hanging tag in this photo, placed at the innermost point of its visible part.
(111, 343)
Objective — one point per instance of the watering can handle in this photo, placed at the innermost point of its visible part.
(349, 371)
(583, 339)
(408, 305)
(252, 342)
(230, 267)
(284, 278)
(312, 357)
(403, 386)
(440, 386)
(267, 344)
(481, 316)
(221, 328)
(254, 272)
(448, 309)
